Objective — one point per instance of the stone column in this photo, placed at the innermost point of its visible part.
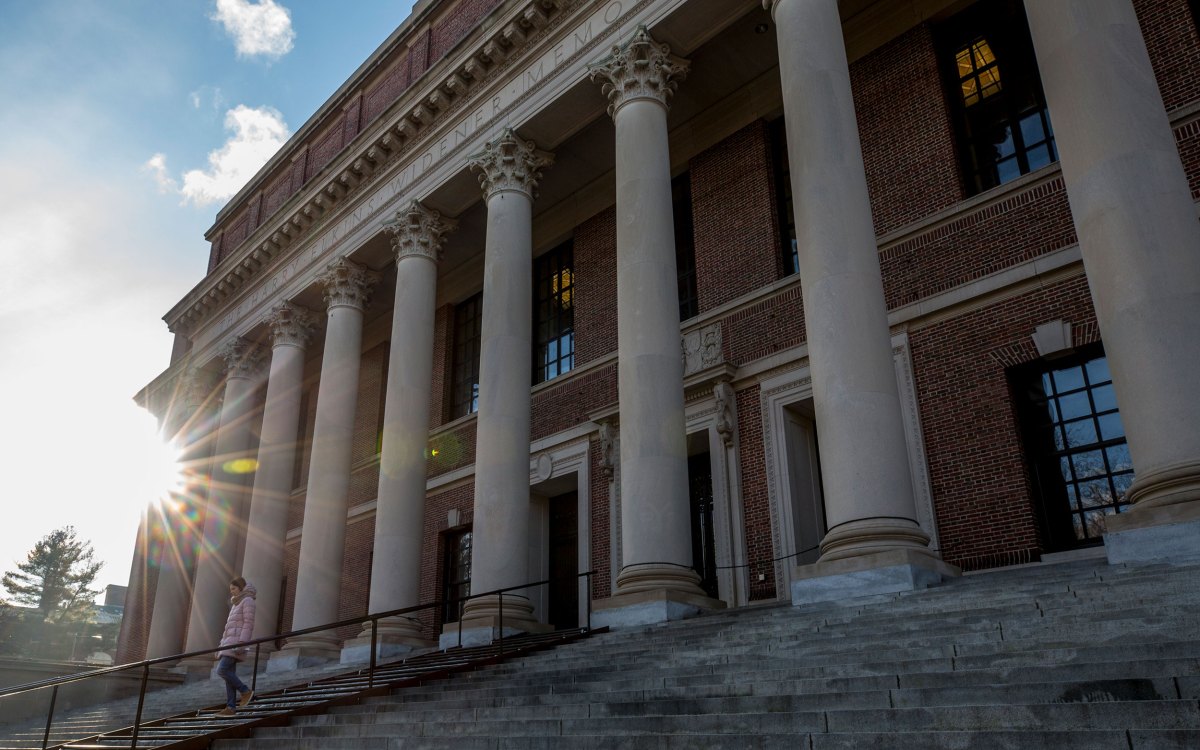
(639, 79)
(323, 537)
(192, 428)
(874, 542)
(509, 172)
(1137, 229)
(230, 467)
(291, 328)
(417, 235)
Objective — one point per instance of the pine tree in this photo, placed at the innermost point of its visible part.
(56, 577)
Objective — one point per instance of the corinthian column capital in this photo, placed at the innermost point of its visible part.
(639, 69)
(347, 284)
(510, 163)
(418, 231)
(242, 358)
(291, 325)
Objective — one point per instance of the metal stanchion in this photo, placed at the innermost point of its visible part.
(254, 674)
(502, 623)
(374, 640)
(137, 719)
(50, 717)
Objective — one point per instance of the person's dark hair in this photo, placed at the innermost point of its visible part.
(239, 582)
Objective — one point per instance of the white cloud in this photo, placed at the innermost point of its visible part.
(263, 28)
(210, 94)
(156, 167)
(256, 134)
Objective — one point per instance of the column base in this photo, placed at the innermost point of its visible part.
(396, 636)
(864, 575)
(650, 606)
(481, 620)
(1156, 534)
(306, 651)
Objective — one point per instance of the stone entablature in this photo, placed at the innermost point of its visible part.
(408, 171)
(409, 120)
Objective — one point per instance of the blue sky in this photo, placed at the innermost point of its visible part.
(124, 124)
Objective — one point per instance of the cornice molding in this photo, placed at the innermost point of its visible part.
(394, 135)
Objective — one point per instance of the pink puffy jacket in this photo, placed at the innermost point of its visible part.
(239, 626)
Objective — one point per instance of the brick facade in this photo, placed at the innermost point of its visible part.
(934, 240)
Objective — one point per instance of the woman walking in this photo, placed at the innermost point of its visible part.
(239, 628)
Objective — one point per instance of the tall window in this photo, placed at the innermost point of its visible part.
(553, 313)
(685, 245)
(995, 91)
(468, 318)
(1075, 446)
(785, 210)
(456, 572)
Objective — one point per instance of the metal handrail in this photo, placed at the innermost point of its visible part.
(374, 619)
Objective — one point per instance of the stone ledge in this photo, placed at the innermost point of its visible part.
(650, 607)
(1164, 534)
(864, 575)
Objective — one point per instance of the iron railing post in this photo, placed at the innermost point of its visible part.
(588, 595)
(502, 623)
(374, 640)
(461, 603)
(50, 717)
(254, 674)
(137, 719)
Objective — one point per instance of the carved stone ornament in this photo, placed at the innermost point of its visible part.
(347, 284)
(702, 349)
(242, 358)
(418, 231)
(726, 411)
(291, 325)
(195, 386)
(608, 450)
(639, 69)
(510, 163)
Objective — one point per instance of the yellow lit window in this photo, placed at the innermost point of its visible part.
(978, 72)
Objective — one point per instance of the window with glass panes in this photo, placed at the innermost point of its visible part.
(786, 211)
(468, 320)
(685, 245)
(995, 91)
(1075, 446)
(553, 313)
(456, 572)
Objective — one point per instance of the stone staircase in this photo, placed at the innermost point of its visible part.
(1076, 655)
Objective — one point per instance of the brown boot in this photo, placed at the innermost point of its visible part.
(246, 698)
(227, 711)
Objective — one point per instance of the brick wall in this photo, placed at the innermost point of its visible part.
(1174, 46)
(595, 248)
(760, 550)
(906, 132)
(601, 521)
(982, 498)
(437, 508)
(1033, 222)
(356, 573)
(558, 407)
(734, 217)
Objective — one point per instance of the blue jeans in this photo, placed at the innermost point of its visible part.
(227, 670)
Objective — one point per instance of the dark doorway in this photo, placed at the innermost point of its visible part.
(564, 561)
(704, 542)
(456, 572)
